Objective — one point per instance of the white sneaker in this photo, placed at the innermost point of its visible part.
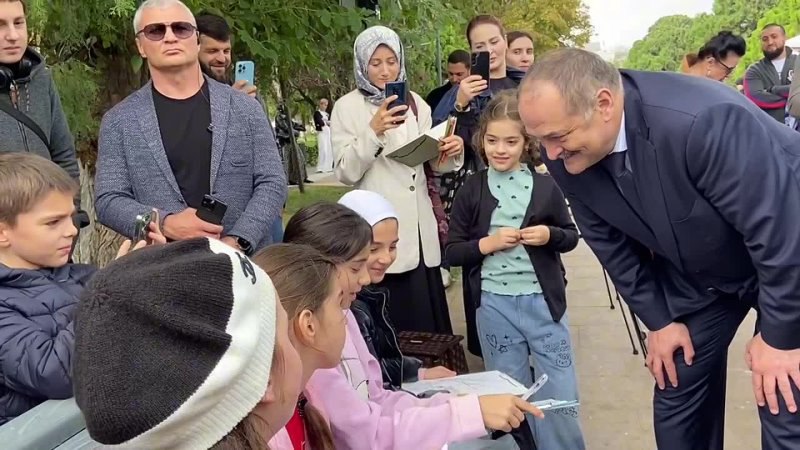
(446, 281)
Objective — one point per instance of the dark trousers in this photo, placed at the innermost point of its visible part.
(692, 416)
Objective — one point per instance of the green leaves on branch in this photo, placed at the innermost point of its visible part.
(672, 37)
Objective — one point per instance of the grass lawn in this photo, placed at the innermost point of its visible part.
(312, 195)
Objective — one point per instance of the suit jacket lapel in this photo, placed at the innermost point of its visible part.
(148, 121)
(220, 99)
(612, 206)
(644, 166)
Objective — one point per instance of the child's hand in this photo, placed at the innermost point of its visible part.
(505, 412)
(436, 373)
(502, 239)
(128, 247)
(155, 235)
(536, 236)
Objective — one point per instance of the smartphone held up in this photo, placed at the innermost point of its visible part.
(400, 89)
(480, 65)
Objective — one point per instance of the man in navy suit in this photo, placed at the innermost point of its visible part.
(689, 196)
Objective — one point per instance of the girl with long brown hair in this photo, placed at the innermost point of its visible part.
(309, 290)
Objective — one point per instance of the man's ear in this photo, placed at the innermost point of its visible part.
(140, 48)
(605, 104)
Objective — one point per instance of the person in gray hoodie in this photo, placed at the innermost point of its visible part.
(26, 84)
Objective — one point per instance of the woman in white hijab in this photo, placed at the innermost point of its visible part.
(364, 131)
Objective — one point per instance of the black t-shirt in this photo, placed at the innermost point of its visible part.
(186, 137)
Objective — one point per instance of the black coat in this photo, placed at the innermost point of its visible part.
(370, 312)
(470, 221)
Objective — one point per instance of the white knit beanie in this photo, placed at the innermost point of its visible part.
(174, 346)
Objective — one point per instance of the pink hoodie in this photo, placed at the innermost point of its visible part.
(388, 419)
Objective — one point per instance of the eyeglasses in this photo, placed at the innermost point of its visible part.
(728, 70)
(157, 31)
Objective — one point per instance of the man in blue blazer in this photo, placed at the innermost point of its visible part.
(689, 196)
(184, 136)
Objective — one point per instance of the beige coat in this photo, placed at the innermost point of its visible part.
(359, 162)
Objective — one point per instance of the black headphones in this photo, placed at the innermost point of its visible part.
(9, 75)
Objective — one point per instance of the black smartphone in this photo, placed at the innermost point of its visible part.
(480, 65)
(399, 89)
(142, 228)
(212, 210)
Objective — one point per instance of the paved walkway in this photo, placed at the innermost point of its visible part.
(615, 387)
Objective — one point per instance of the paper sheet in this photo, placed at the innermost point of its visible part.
(482, 383)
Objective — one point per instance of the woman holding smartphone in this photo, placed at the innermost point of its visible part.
(365, 129)
(466, 101)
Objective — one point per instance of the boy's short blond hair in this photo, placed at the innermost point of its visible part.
(25, 179)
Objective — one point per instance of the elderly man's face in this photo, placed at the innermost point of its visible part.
(579, 141)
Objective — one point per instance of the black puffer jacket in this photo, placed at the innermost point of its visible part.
(370, 312)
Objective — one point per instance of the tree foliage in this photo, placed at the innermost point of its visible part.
(304, 47)
(672, 37)
(663, 47)
(553, 24)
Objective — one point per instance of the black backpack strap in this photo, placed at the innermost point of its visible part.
(25, 120)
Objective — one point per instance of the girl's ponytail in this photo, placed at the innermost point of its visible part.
(317, 430)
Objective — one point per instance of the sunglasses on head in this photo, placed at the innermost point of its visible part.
(157, 31)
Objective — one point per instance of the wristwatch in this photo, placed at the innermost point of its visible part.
(244, 245)
(461, 109)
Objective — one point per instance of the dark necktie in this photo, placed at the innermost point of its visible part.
(614, 163)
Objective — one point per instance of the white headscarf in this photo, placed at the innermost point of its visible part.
(363, 49)
(373, 207)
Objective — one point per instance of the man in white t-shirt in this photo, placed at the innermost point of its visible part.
(767, 82)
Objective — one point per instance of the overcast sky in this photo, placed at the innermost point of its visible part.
(621, 22)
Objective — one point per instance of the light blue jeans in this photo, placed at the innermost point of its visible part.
(513, 328)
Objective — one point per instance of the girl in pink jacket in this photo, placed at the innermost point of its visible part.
(314, 290)
(362, 414)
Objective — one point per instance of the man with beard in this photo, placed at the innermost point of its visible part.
(215, 52)
(767, 82)
(215, 61)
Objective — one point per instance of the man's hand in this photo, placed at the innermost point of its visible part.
(247, 88)
(438, 372)
(535, 236)
(748, 358)
(186, 225)
(774, 368)
(661, 346)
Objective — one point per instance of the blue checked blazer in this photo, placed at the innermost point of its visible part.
(134, 175)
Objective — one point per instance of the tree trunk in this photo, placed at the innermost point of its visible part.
(98, 244)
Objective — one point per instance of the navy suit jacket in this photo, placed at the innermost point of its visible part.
(720, 205)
